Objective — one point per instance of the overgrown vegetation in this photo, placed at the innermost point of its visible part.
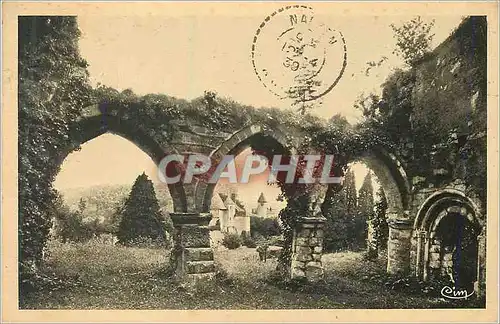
(53, 89)
(409, 112)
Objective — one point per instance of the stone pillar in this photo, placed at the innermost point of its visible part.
(192, 257)
(398, 246)
(307, 247)
(480, 285)
(421, 240)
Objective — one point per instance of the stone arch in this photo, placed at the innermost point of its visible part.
(438, 210)
(423, 217)
(234, 145)
(98, 124)
(393, 179)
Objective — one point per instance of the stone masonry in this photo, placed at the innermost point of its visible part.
(307, 248)
(192, 257)
(398, 246)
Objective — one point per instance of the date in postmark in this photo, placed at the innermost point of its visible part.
(296, 55)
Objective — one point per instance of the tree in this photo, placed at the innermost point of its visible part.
(141, 215)
(379, 222)
(300, 93)
(413, 39)
(338, 222)
(350, 193)
(53, 89)
(264, 227)
(69, 225)
(365, 209)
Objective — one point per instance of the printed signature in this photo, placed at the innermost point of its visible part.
(452, 293)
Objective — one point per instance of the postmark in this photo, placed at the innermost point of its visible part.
(296, 55)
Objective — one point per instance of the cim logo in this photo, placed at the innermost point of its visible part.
(453, 293)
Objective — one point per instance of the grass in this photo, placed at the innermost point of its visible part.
(99, 276)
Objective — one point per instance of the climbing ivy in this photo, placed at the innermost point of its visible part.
(53, 88)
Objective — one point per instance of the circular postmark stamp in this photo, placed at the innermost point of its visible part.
(295, 55)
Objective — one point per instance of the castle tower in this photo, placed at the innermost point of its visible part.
(261, 210)
(229, 213)
(217, 209)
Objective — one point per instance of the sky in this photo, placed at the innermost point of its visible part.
(183, 56)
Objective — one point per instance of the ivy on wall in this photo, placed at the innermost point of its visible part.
(53, 89)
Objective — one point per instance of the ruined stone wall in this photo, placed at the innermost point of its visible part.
(450, 83)
(449, 97)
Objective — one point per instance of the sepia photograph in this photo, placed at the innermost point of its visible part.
(232, 156)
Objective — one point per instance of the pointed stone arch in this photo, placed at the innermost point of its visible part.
(234, 145)
(97, 124)
(393, 179)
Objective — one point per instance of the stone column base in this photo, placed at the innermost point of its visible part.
(192, 255)
(307, 247)
(399, 246)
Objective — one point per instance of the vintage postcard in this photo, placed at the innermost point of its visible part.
(250, 162)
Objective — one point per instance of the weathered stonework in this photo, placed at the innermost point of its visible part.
(480, 285)
(398, 246)
(192, 255)
(307, 249)
(420, 242)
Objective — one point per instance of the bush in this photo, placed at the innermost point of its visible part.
(70, 227)
(248, 242)
(231, 241)
(264, 226)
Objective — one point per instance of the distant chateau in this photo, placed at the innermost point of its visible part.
(263, 210)
(230, 216)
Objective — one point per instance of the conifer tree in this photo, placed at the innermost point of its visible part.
(340, 208)
(380, 226)
(350, 193)
(337, 227)
(141, 214)
(365, 209)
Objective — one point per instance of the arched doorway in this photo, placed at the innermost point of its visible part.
(449, 226)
